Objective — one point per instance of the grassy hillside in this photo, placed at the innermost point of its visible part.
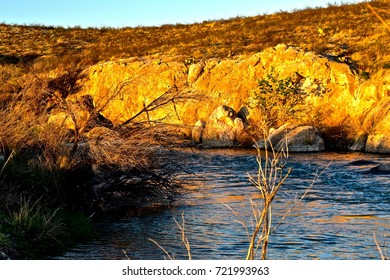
(353, 31)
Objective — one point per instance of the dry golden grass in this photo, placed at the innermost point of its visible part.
(356, 32)
(39, 159)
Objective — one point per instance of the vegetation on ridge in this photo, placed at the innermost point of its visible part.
(350, 31)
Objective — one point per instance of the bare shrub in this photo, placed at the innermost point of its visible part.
(270, 178)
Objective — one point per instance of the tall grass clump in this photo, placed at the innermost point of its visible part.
(32, 149)
(36, 230)
(76, 167)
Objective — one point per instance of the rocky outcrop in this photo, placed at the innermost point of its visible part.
(378, 143)
(122, 89)
(294, 139)
(222, 129)
(164, 90)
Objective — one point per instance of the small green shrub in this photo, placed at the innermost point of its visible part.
(386, 65)
(365, 75)
(279, 100)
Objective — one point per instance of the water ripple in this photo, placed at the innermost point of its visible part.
(335, 220)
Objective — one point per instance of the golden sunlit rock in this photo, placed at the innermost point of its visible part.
(175, 93)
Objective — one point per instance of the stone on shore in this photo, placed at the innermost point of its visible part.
(382, 168)
(197, 131)
(222, 129)
(360, 143)
(295, 139)
(377, 123)
(378, 143)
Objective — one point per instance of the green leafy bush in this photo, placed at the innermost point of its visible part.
(280, 100)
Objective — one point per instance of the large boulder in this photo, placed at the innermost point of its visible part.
(378, 143)
(382, 168)
(197, 131)
(360, 143)
(294, 139)
(219, 131)
(275, 137)
(377, 123)
(222, 129)
(304, 139)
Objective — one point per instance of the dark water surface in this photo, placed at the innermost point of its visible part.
(337, 219)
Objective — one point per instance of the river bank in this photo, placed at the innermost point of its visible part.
(52, 188)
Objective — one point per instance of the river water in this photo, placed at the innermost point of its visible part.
(337, 219)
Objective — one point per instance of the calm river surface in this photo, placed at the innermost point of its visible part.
(337, 219)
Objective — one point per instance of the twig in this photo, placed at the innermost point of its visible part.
(270, 178)
(184, 238)
(125, 253)
(302, 197)
(6, 162)
(378, 16)
(240, 221)
(162, 248)
(160, 101)
(379, 248)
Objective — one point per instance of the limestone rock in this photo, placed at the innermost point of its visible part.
(120, 90)
(243, 138)
(294, 139)
(382, 168)
(222, 129)
(377, 123)
(378, 143)
(304, 139)
(360, 143)
(219, 129)
(197, 131)
(194, 72)
(275, 136)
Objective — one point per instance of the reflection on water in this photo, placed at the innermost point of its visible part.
(336, 220)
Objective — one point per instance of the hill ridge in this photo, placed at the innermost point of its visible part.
(351, 30)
